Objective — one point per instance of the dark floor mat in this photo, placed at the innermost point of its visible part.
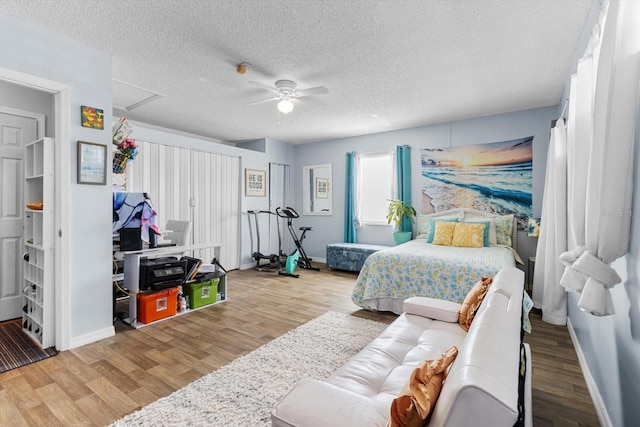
(18, 349)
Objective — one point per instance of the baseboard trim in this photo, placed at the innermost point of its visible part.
(92, 337)
(247, 266)
(603, 416)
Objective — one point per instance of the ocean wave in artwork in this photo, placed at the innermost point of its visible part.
(494, 189)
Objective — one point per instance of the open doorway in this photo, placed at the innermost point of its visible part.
(24, 113)
(58, 108)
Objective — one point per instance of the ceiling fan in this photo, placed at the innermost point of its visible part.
(285, 92)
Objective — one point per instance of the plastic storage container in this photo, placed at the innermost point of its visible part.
(202, 293)
(157, 305)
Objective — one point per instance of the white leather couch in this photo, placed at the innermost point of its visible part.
(482, 385)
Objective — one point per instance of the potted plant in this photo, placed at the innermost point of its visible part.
(398, 210)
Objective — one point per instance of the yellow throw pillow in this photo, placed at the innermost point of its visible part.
(468, 235)
(419, 395)
(444, 233)
(472, 302)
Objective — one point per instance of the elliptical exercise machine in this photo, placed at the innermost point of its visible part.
(273, 259)
(302, 260)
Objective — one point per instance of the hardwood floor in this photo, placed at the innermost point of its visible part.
(97, 384)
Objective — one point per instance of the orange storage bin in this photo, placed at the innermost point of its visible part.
(157, 305)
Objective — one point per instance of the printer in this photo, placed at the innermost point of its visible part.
(157, 274)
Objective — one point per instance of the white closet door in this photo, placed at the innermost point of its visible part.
(194, 186)
(163, 172)
(216, 193)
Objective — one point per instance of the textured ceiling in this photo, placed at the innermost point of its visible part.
(387, 64)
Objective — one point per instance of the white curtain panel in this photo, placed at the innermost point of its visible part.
(548, 294)
(610, 168)
(579, 138)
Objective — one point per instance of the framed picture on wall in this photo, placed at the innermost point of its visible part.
(92, 163)
(255, 183)
(322, 188)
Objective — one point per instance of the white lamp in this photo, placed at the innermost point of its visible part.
(285, 105)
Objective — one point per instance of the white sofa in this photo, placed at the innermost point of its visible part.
(482, 386)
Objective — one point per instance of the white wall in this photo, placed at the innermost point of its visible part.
(329, 229)
(87, 72)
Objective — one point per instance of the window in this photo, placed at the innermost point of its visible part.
(374, 187)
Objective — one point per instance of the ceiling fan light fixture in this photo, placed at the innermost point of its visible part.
(285, 106)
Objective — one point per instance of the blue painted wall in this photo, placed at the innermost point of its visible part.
(329, 229)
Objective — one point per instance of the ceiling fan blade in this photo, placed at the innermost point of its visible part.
(263, 86)
(262, 101)
(319, 90)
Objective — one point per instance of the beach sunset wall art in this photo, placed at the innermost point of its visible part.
(494, 177)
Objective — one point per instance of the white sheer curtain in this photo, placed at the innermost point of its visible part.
(616, 65)
(548, 295)
(578, 148)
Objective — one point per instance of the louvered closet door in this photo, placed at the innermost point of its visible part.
(215, 188)
(194, 186)
(164, 173)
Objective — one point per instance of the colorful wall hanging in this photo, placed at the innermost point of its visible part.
(92, 117)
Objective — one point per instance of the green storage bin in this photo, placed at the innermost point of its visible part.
(202, 293)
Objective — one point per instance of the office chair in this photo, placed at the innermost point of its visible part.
(178, 232)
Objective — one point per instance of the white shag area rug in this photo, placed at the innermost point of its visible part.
(244, 392)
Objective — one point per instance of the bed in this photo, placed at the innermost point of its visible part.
(418, 268)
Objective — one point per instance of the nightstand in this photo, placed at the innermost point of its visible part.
(531, 268)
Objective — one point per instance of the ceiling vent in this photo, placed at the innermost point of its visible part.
(127, 96)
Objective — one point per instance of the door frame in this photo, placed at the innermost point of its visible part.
(62, 182)
(38, 117)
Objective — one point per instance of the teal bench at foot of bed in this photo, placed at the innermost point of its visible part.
(349, 256)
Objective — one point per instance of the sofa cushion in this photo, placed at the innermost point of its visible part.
(472, 302)
(384, 365)
(419, 395)
(432, 308)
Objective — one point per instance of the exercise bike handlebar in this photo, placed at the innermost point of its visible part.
(287, 212)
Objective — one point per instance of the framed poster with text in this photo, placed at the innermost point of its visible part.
(255, 183)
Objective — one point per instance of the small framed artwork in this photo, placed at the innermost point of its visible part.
(322, 188)
(92, 117)
(92, 163)
(255, 183)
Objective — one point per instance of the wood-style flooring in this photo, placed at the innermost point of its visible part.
(99, 383)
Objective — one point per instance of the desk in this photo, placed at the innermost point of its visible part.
(131, 278)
